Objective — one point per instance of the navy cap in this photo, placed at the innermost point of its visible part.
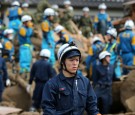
(72, 53)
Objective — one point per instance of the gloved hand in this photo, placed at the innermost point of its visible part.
(28, 88)
(8, 82)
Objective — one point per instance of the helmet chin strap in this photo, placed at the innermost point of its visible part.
(65, 69)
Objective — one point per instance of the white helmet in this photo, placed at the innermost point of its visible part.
(8, 31)
(45, 53)
(58, 28)
(102, 6)
(55, 6)
(26, 18)
(103, 54)
(25, 5)
(15, 3)
(129, 24)
(68, 48)
(49, 12)
(1, 46)
(85, 9)
(96, 38)
(71, 8)
(112, 32)
(67, 2)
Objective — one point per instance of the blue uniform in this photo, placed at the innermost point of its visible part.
(14, 14)
(111, 48)
(64, 38)
(48, 39)
(102, 22)
(7, 45)
(91, 60)
(3, 75)
(69, 96)
(41, 72)
(103, 87)
(126, 47)
(25, 53)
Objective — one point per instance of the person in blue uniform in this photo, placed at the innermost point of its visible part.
(103, 83)
(102, 20)
(41, 72)
(48, 33)
(111, 47)
(26, 47)
(8, 44)
(64, 38)
(69, 93)
(3, 74)
(126, 45)
(14, 14)
(92, 58)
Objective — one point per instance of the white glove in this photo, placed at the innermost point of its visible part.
(80, 32)
(8, 82)
(28, 88)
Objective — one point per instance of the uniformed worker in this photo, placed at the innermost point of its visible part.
(26, 47)
(92, 58)
(103, 83)
(66, 16)
(48, 33)
(85, 23)
(69, 93)
(41, 72)
(8, 46)
(111, 47)
(64, 37)
(3, 74)
(102, 20)
(126, 45)
(14, 14)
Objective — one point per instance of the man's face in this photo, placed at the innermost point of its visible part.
(86, 14)
(72, 64)
(107, 58)
(51, 18)
(108, 37)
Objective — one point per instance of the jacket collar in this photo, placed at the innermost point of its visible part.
(62, 77)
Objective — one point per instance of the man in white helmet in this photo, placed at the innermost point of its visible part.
(48, 33)
(126, 45)
(111, 47)
(85, 23)
(41, 72)
(64, 37)
(25, 49)
(102, 20)
(103, 83)
(66, 16)
(69, 93)
(8, 45)
(93, 52)
(14, 14)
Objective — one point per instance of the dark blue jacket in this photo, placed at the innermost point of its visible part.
(41, 71)
(104, 74)
(3, 69)
(61, 98)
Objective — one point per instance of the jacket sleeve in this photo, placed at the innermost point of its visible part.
(91, 104)
(32, 73)
(48, 100)
(133, 43)
(4, 68)
(51, 71)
